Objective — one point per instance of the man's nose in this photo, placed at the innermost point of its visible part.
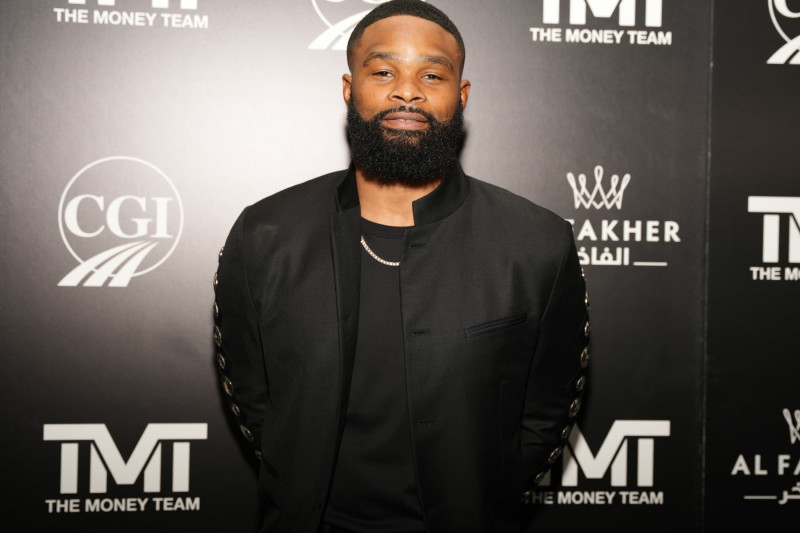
(407, 90)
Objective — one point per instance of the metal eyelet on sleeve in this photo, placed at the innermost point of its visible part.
(217, 336)
(565, 432)
(221, 362)
(574, 407)
(553, 455)
(227, 385)
(247, 433)
(585, 357)
(580, 384)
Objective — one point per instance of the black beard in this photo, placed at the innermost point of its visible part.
(408, 157)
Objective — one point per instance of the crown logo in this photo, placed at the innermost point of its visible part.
(598, 197)
(794, 426)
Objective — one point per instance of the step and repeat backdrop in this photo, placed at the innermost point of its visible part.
(135, 131)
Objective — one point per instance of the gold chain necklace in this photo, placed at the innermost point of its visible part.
(376, 257)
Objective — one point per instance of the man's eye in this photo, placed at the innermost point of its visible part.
(382, 73)
(432, 77)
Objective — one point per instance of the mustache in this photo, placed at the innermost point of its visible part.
(380, 115)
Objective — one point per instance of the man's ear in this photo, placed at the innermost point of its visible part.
(347, 81)
(464, 90)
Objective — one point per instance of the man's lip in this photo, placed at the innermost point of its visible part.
(404, 115)
(403, 120)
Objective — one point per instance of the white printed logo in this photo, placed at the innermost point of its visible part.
(777, 467)
(794, 427)
(788, 53)
(605, 196)
(101, 12)
(105, 456)
(626, 18)
(158, 4)
(119, 217)
(775, 209)
(613, 453)
(603, 9)
(598, 197)
(611, 460)
(337, 34)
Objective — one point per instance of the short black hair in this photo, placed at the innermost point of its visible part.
(415, 8)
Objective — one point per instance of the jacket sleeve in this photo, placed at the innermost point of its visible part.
(557, 375)
(237, 340)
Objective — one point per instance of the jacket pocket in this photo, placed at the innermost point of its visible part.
(494, 326)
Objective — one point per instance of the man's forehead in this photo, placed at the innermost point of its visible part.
(389, 35)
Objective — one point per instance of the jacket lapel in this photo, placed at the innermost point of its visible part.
(345, 231)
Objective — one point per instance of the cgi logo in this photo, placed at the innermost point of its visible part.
(347, 12)
(611, 458)
(105, 457)
(119, 217)
(788, 53)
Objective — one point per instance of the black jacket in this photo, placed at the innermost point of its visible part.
(495, 326)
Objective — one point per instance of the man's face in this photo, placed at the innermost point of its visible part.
(404, 90)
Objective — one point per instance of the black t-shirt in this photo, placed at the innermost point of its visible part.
(374, 488)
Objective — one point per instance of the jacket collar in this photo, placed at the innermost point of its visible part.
(434, 206)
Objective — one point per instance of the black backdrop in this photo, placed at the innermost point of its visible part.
(136, 130)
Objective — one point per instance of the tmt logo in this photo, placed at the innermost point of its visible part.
(105, 457)
(157, 4)
(120, 217)
(613, 453)
(773, 207)
(603, 9)
(347, 12)
(788, 53)
(598, 197)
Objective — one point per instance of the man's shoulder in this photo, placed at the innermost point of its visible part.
(513, 207)
(301, 201)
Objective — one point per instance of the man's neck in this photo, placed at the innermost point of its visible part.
(389, 204)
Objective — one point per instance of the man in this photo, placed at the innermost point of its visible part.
(402, 344)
